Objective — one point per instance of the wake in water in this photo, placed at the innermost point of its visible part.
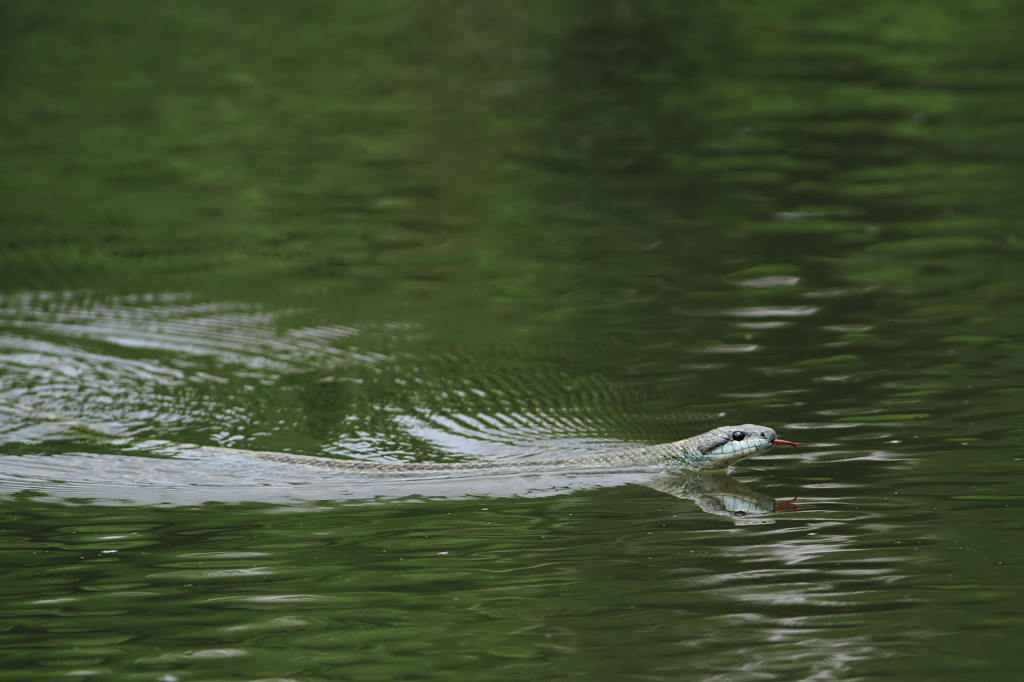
(128, 368)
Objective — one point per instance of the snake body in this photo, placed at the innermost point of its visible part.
(693, 468)
(716, 449)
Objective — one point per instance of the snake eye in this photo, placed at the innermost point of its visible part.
(738, 435)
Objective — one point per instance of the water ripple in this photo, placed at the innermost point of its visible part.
(227, 374)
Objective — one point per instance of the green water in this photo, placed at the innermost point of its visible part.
(454, 230)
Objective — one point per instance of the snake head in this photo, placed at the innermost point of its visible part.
(722, 447)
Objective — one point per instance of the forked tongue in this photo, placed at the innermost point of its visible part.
(779, 441)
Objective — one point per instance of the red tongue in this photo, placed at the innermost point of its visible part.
(779, 441)
(787, 505)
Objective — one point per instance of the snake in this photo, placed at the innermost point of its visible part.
(717, 449)
(714, 450)
(693, 468)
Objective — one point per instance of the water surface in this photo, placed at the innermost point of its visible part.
(455, 231)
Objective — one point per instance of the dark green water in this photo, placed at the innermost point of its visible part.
(444, 230)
